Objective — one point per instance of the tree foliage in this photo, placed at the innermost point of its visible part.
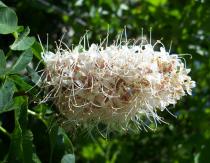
(28, 129)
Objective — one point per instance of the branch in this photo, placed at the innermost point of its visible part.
(55, 8)
(4, 131)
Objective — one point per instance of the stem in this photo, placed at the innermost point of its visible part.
(4, 131)
(33, 113)
(55, 8)
(38, 116)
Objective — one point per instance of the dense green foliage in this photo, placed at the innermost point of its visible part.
(28, 130)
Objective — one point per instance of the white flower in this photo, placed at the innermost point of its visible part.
(115, 85)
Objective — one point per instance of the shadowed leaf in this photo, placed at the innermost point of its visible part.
(8, 20)
(22, 62)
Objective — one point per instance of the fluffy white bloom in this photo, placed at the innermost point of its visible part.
(114, 85)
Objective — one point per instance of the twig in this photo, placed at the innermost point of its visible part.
(4, 131)
(38, 116)
(56, 8)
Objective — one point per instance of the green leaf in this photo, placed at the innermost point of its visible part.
(43, 109)
(20, 82)
(2, 63)
(22, 62)
(23, 42)
(37, 50)
(21, 142)
(21, 146)
(13, 105)
(2, 4)
(27, 146)
(60, 144)
(53, 139)
(21, 114)
(2, 60)
(157, 2)
(67, 142)
(34, 75)
(8, 20)
(6, 94)
(68, 158)
(36, 158)
(15, 145)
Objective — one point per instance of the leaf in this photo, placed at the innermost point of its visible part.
(37, 50)
(14, 104)
(34, 75)
(6, 94)
(20, 82)
(43, 109)
(21, 141)
(60, 144)
(157, 2)
(8, 20)
(36, 158)
(21, 146)
(67, 142)
(27, 146)
(2, 63)
(23, 42)
(21, 114)
(2, 60)
(22, 62)
(15, 145)
(2, 4)
(53, 137)
(68, 158)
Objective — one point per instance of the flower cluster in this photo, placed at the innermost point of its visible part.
(115, 85)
